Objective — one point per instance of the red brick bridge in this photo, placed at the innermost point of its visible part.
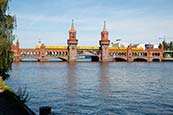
(102, 53)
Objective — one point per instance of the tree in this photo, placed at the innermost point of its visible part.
(171, 45)
(168, 45)
(7, 24)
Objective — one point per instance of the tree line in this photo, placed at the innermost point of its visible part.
(7, 24)
(168, 45)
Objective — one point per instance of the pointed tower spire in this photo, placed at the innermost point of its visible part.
(72, 26)
(104, 28)
(17, 43)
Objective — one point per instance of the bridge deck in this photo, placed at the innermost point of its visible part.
(90, 48)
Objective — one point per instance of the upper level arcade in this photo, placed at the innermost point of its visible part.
(104, 52)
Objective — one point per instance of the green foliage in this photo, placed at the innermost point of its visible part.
(7, 24)
(168, 45)
(3, 6)
(4, 86)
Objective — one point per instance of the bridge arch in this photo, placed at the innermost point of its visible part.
(56, 59)
(140, 60)
(119, 59)
(92, 58)
(156, 60)
(29, 59)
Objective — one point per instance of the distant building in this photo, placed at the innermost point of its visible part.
(118, 43)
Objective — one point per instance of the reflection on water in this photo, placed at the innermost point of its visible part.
(71, 91)
(71, 79)
(97, 88)
(104, 80)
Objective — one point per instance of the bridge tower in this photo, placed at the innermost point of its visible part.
(161, 51)
(129, 53)
(42, 53)
(72, 44)
(104, 44)
(150, 48)
(16, 52)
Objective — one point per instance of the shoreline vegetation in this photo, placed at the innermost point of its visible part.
(10, 104)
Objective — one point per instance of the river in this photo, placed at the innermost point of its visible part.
(97, 88)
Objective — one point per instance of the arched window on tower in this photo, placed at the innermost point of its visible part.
(73, 36)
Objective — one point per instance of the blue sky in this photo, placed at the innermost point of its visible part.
(133, 21)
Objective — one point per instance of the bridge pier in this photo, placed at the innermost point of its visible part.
(149, 60)
(16, 59)
(42, 59)
(72, 44)
(104, 45)
(129, 54)
(130, 60)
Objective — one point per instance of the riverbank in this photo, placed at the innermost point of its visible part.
(10, 104)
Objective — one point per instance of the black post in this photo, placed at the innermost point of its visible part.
(45, 110)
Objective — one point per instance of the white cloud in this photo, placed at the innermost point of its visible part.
(132, 25)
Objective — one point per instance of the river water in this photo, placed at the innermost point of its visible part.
(97, 88)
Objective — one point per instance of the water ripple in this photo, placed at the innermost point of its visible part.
(97, 88)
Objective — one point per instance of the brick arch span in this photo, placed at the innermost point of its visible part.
(119, 59)
(156, 60)
(140, 59)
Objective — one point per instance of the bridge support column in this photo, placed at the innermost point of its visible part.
(129, 53)
(16, 51)
(16, 59)
(161, 52)
(42, 59)
(72, 44)
(43, 53)
(104, 45)
(72, 52)
(149, 55)
(150, 59)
